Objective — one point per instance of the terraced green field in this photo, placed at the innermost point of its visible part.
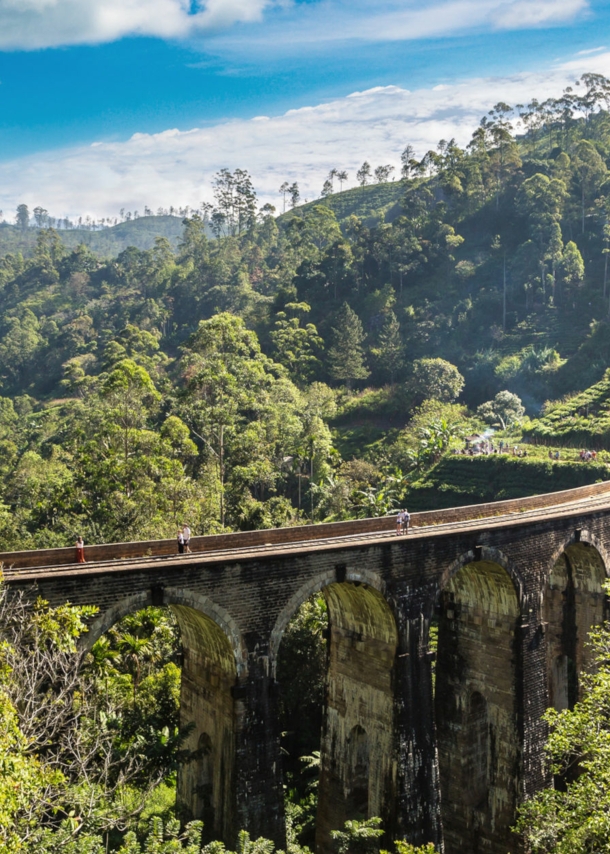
(458, 480)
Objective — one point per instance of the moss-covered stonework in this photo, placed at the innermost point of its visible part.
(357, 775)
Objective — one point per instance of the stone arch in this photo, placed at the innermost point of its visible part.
(483, 553)
(476, 703)
(213, 657)
(310, 588)
(580, 535)
(573, 602)
(171, 596)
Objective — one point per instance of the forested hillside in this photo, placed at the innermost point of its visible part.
(306, 367)
(105, 241)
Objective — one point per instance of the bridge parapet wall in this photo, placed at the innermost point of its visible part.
(300, 533)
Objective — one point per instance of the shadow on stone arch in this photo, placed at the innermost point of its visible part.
(573, 604)
(476, 708)
(211, 657)
(357, 777)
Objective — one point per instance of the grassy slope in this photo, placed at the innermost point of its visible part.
(582, 419)
(457, 480)
(107, 243)
(373, 203)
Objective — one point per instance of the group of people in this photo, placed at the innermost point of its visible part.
(184, 540)
(402, 522)
(587, 456)
(553, 455)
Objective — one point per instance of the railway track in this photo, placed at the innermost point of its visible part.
(345, 540)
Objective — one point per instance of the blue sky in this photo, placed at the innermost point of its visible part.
(77, 73)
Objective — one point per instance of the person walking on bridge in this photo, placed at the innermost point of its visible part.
(399, 523)
(80, 550)
(186, 533)
(406, 520)
(180, 539)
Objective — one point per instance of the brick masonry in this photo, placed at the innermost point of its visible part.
(442, 758)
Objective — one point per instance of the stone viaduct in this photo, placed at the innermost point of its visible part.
(441, 744)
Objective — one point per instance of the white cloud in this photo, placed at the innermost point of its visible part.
(312, 25)
(176, 167)
(32, 24)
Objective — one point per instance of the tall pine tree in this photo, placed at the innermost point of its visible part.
(390, 351)
(346, 356)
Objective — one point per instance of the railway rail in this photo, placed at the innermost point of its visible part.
(351, 539)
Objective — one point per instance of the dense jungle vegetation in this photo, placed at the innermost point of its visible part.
(315, 365)
(321, 364)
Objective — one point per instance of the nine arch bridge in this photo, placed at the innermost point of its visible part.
(512, 587)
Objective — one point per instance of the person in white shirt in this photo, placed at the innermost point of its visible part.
(399, 520)
(186, 534)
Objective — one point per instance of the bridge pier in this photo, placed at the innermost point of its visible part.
(357, 766)
(259, 784)
(477, 709)
(417, 813)
(206, 786)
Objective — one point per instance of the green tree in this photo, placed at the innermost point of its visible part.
(575, 815)
(434, 379)
(235, 199)
(572, 266)
(542, 200)
(363, 174)
(346, 355)
(296, 346)
(506, 409)
(589, 171)
(390, 348)
(358, 837)
(22, 218)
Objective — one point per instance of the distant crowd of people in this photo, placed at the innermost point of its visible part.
(486, 447)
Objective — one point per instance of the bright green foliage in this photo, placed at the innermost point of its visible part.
(505, 409)
(575, 816)
(406, 848)
(456, 480)
(23, 781)
(358, 837)
(435, 379)
(390, 349)
(32, 786)
(296, 346)
(245, 845)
